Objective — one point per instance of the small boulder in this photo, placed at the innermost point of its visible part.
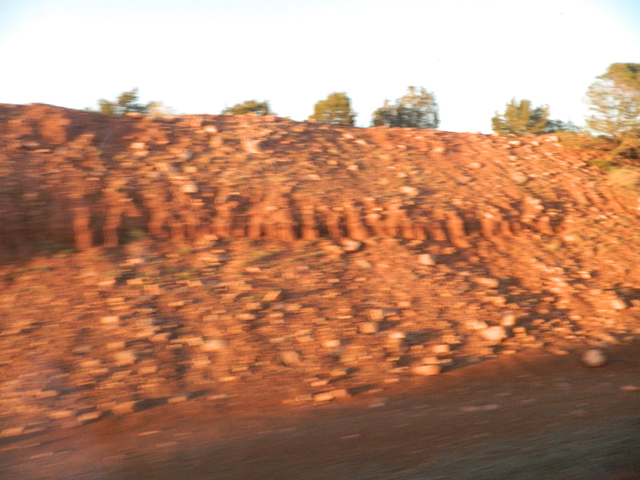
(290, 358)
(594, 358)
(494, 335)
(350, 246)
(487, 282)
(190, 188)
(427, 370)
(426, 259)
(618, 304)
(215, 345)
(273, 296)
(508, 320)
(369, 327)
(125, 358)
(519, 178)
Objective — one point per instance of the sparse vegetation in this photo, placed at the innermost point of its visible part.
(520, 119)
(250, 106)
(135, 235)
(603, 165)
(417, 109)
(626, 178)
(614, 102)
(127, 102)
(53, 248)
(335, 109)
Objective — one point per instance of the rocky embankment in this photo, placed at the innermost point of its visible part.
(153, 260)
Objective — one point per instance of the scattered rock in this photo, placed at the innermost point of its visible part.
(60, 414)
(494, 335)
(290, 358)
(123, 408)
(323, 397)
(253, 306)
(340, 393)
(160, 337)
(508, 320)
(364, 264)
(350, 246)
(216, 345)
(557, 351)
(594, 358)
(630, 388)
(477, 324)
(11, 432)
(190, 188)
(427, 370)
(442, 349)
(178, 398)
(464, 179)
(426, 259)
(111, 320)
(273, 296)
(480, 408)
(410, 191)
(487, 282)
(125, 358)
(369, 327)
(253, 147)
(618, 304)
(519, 178)
(89, 417)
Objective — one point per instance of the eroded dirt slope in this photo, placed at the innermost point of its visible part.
(155, 260)
(525, 416)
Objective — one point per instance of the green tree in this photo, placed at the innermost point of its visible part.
(520, 119)
(127, 102)
(558, 126)
(614, 100)
(417, 109)
(335, 109)
(158, 109)
(250, 106)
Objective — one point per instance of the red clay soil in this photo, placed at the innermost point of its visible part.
(524, 416)
(302, 300)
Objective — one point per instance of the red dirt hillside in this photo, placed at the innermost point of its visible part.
(255, 259)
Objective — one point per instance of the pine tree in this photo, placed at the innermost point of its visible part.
(250, 106)
(558, 126)
(335, 109)
(614, 100)
(127, 102)
(520, 119)
(417, 109)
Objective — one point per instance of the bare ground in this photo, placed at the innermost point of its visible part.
(525, 416)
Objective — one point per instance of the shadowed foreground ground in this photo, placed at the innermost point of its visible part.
(524, 416)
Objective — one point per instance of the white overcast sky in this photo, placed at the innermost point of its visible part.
(198, 56)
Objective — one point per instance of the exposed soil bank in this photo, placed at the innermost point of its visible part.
(524, 416)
